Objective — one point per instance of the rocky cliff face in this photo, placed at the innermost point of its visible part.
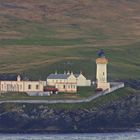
(122, 115)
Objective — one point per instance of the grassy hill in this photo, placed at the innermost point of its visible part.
(39, 37)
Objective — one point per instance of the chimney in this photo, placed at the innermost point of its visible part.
(18, 78)
(55, 72)
(68, 73)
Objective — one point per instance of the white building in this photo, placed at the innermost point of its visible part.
(101, 72)
(82, 81)
(16, 84)
(67, 82)
(63, 82)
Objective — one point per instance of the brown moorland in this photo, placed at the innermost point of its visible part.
(40, 36)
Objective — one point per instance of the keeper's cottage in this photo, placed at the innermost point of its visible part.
(67, 82)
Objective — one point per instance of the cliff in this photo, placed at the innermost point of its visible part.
(113, 116)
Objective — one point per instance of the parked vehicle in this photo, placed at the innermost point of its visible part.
(51, 90)
(98, 89)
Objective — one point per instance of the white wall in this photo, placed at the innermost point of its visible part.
(21, 86)
(11, 86)
(101, 76)
(64, 85)
(34, 86)
(72, 88)
(101, 73)
(82, 81)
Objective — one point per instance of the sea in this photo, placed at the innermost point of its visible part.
(96, 136)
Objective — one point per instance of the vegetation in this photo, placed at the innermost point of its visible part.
(37, 39)
(97, 103)
(83, 92)
(68, 37)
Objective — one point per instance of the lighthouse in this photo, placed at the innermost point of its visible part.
(101, 71)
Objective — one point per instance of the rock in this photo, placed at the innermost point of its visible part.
(120, 115)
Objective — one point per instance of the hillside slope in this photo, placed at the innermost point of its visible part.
(37, 37)
(113, 20)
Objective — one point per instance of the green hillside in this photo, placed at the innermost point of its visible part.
(39, 37)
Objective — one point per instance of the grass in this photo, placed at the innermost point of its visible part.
(39, 61)
(68, 38)
(67, 43)
(95, 104)
(99, 102)
(83, 92)
(123, 62)
(43, 41)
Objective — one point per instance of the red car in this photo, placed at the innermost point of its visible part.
(98, 89)
(51, 90)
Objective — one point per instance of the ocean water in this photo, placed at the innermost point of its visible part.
(99, 136)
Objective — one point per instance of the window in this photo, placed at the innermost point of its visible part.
(64, 86)
(103, 73)
(37, 86)
(29, 86)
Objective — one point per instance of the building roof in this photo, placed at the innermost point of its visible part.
(76, 75)
(58, 76)
(101, 54)
(9, 77)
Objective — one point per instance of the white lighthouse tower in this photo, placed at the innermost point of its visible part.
(101, 71)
